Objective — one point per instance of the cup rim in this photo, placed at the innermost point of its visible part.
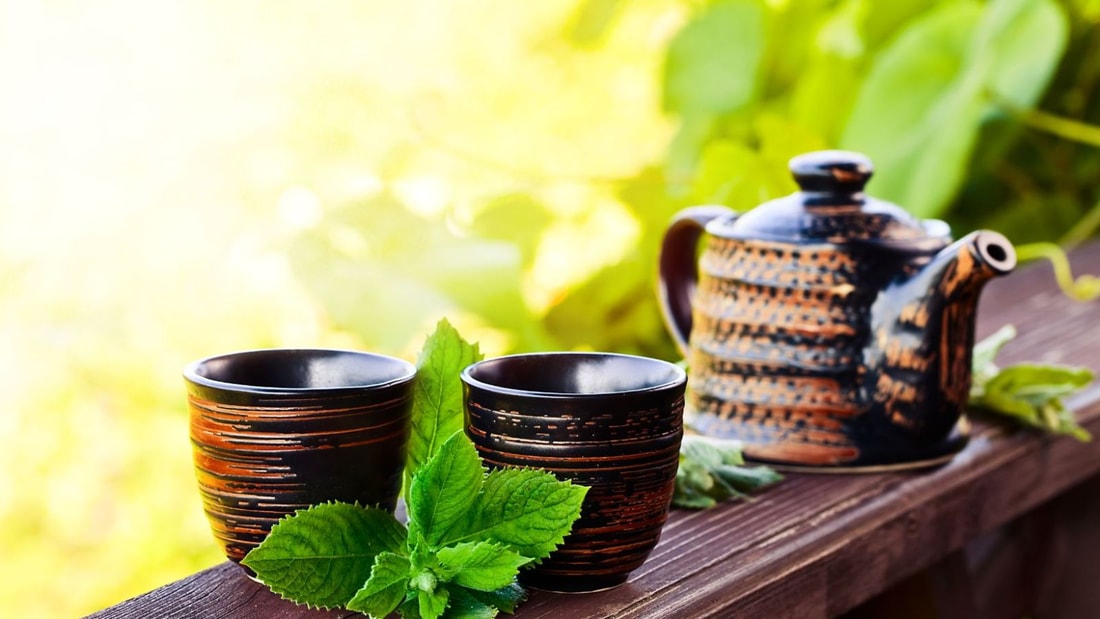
(680, 376)
(190, 372)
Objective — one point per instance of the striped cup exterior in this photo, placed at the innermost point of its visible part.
(610, 422)
(275, 431)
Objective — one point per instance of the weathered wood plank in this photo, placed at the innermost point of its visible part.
(816, 545)
(221, 592)
(1064, 559)
(1043, 564)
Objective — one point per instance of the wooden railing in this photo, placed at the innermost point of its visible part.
(1010, 527)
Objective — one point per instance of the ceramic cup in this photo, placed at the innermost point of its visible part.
(274, 431)
(607, 421)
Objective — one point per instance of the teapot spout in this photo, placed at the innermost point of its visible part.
(972, 261)
(924, 334)
(956, 275)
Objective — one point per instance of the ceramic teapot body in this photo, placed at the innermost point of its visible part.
(827, 328)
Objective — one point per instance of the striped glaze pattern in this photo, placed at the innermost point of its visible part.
(777, 346)
(827, 328)
(824, 355)
(262, 455)
(624, 445)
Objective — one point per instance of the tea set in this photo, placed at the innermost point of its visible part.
(826, 331)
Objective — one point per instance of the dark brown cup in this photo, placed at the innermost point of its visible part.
(274, 431)
(607, 421)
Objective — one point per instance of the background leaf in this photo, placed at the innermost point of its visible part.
(1023, 39)
(936, 82)
(713, 62)
(917, 112)
(377, 249)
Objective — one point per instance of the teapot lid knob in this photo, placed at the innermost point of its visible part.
(834, 172)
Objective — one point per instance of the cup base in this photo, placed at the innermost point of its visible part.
(580, 583)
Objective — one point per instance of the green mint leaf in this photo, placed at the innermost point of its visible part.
(419, 552)
(711, 451)
(701, 452)
(480, 565)
(506, 598)
(1005, 403)
(1031, 394)
(437, 407)
(463, 605)
(747, 479)
(1059, 419)
(386, 588)
(687, 497)
(321, 556)
(694, 474)
(527, 509)
(710, 472)
(431, 604)
(444, 490)
(985, 353)
(1039, 383)
(474, 604)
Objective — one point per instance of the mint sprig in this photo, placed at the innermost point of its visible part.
(469, 533)
(712, 471)
(456, 557)
(1028, 394)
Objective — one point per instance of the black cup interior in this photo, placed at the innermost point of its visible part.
(575, 373)
(302, 369)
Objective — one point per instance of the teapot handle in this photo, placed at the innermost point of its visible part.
(679, 268)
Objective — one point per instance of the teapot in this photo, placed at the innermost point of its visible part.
(827, 329)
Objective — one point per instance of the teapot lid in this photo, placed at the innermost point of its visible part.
(831, 207)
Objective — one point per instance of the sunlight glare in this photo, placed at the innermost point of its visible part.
(299, 208)
(427, 196)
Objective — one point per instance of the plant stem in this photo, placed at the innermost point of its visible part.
(1084, 288)
(1062, 127)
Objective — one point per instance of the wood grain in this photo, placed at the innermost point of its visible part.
(816, 545)
(221, 592)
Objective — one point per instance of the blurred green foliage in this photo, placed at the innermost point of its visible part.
(940, 95)
(190, 178)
